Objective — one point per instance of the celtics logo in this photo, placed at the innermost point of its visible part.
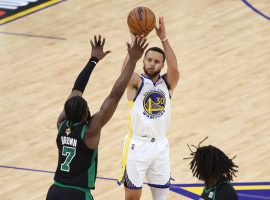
(154, 103)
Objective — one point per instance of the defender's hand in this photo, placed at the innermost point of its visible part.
(97, 47)
(136, 50)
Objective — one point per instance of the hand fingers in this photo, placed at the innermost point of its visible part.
(92, 44)
(107, 52)
(99, 40)
(145, 46)
(136, 39)
(140, 39)
(143, 42)
(162, 22)
(128, 46)
(95, 39)
(103, 42)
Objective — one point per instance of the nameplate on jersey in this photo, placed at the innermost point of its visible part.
(14, 9)
(154, 104)
(68, 141)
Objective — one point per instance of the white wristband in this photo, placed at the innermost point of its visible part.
(164, 39)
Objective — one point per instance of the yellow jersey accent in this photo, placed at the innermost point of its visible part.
(126, 145)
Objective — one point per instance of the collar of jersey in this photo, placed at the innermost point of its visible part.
(151, 79)
(215, 187)
(76, 124)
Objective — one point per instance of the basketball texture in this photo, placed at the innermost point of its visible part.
(141, 21)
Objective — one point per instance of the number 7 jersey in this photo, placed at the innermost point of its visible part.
(150, 109)
(77, 164)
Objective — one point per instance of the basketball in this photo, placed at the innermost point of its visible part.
(141, 21)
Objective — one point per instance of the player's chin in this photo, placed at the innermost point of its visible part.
(152, 74)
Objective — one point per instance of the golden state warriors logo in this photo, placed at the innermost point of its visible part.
(154, 104)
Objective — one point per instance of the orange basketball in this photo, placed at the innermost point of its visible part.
(141, 21)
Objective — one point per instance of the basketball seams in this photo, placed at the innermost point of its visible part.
(154, 20)
(145, 19)
(138, 22)
(131, 24)
(141, 20)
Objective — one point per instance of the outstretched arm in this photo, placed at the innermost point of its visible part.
(172, 71)
(83, 78)
(135, 80)
(109, 105)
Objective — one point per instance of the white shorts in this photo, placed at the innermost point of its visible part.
(146, 157)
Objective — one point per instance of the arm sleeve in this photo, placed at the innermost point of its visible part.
(84, 76)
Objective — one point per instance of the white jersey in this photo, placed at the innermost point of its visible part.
(150, 112)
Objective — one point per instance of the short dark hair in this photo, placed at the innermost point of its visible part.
(157, 49)
(75, 108)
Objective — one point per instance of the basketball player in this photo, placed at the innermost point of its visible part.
(146, 149)
(210, 165)
(79, 132)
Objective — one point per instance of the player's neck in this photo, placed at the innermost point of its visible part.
(213, 183)
(153, 79)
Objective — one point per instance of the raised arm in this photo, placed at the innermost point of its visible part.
(173, 74)
(135, 79)
(83, 78)
(109, 105)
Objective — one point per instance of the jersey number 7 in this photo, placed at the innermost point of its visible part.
(69, 152)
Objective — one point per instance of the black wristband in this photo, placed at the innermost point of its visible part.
(84, 76)
(94, 59)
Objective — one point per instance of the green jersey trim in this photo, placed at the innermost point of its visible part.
(83, 132)
(213, 189)
(67, 124)
(70, 186)
(92, 171)
(88, 195)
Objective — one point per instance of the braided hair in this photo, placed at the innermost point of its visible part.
(210, 164)
(75, 109)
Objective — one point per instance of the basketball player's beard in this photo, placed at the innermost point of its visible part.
(151, 75)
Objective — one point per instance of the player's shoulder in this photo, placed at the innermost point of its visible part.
(136, 75)
(226, 191)
(135, 81)
(164, 77)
